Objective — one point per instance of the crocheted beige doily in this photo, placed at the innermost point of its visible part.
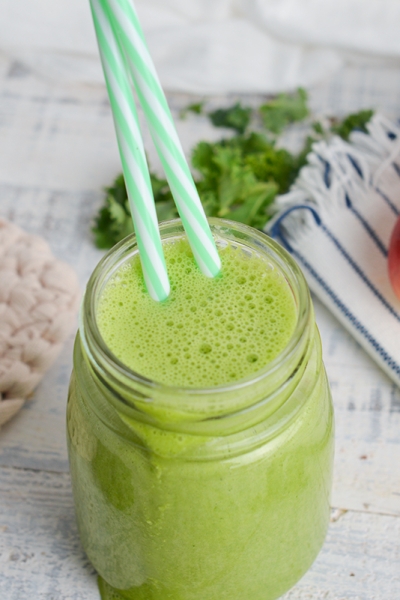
(39, 297)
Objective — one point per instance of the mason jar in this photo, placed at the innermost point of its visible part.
(201, 494)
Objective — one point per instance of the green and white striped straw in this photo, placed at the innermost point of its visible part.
(126, 25)
(133, 157)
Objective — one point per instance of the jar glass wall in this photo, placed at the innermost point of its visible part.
(201, 494)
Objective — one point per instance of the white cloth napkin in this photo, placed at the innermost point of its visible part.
(337, 220)
(209, 46)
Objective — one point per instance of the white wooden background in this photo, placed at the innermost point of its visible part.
(57, 150)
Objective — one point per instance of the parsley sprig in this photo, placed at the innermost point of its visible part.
(238, 177)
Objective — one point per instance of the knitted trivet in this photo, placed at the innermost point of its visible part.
(39, 298)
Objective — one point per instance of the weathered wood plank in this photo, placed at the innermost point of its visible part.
(62, 137)
(367, 413)
(366, 475)
(40, 554)
(359, 561)
(35, 438)
(41, 558)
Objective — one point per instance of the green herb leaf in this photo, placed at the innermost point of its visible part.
(236, 117)
(103, 235)
(283, 110)
(353, 121)
(230, 186)
(196, 108)
(114, 221)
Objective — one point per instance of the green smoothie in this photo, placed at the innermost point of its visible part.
(209, 332)
(181, 494)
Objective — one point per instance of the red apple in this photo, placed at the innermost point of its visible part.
(394, 258)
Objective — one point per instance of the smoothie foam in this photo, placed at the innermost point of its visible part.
(209, 331)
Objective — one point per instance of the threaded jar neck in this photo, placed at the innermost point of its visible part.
(139, 397)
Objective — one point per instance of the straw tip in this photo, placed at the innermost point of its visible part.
(161, 293)
(211, 270)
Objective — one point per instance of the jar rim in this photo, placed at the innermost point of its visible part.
(222, 229)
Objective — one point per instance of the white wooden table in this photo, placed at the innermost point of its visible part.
(57, 150)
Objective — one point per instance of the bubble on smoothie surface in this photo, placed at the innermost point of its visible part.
(209, 331)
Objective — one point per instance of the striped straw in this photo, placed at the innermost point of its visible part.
(133, 157)
(126, 25)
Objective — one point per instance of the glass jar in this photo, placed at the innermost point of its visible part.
(201, 494)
